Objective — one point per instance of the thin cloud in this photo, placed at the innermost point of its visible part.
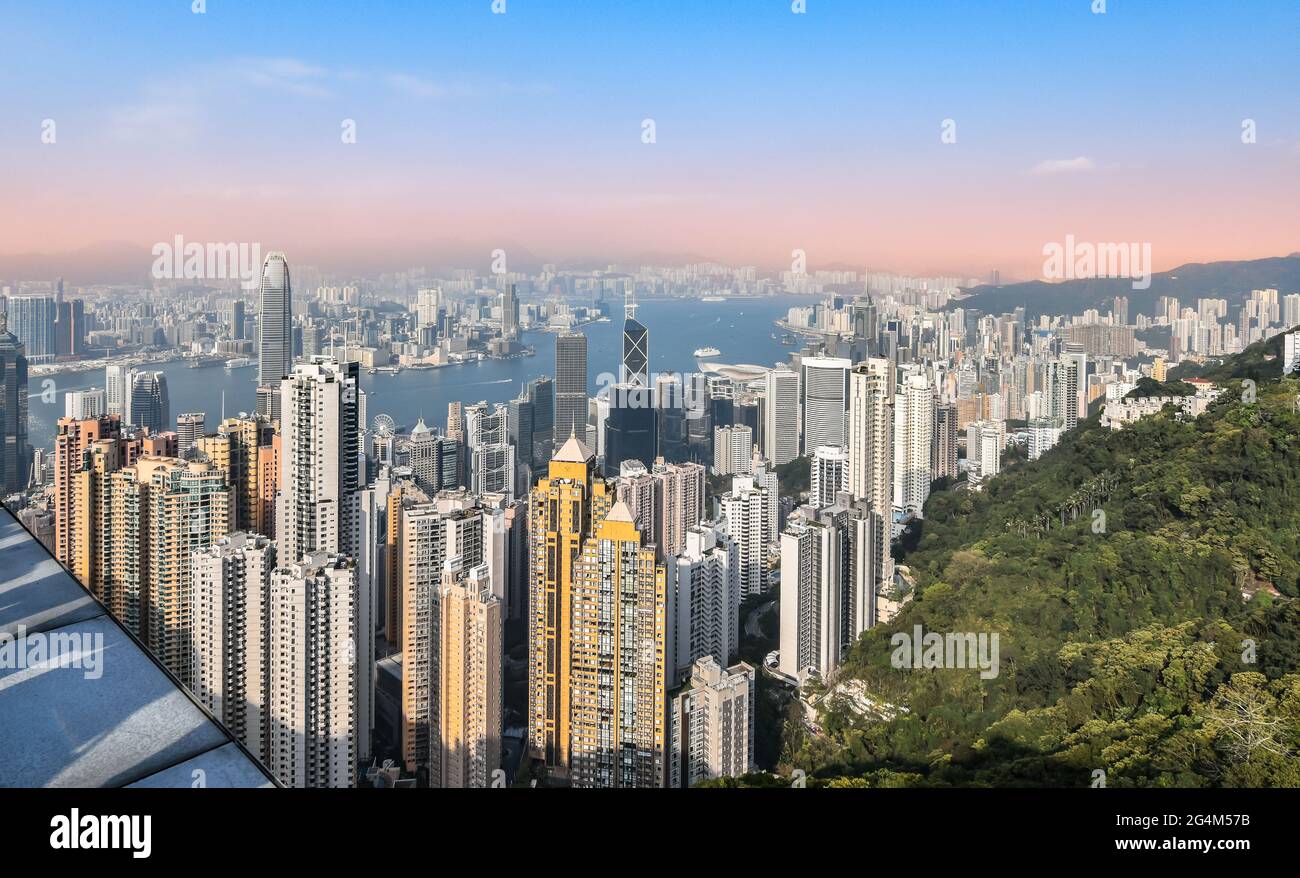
(1078, 165)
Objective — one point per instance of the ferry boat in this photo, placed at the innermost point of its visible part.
(238, 363)
(707, 352)
(713, 299)
(202, 361)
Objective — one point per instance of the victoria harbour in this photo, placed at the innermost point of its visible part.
(740, 328)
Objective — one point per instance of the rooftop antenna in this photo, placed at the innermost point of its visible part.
(629, 304)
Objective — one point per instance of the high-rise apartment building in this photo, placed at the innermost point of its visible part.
(617, 653)
(830, 561)
(319, 471)
(190, 426)
(705, 595)
(943, 448)
(564, 507)
(712, 724)
(829, 474)
(313, 672)
(870, 439)
(733, 450)
(913, 423)
(470, 691)
(248, 449)
(231, 583)
(747, 517)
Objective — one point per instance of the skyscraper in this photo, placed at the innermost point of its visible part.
(617, 652)
(828, 596)
(870, 439)
(274, 322)
(781, 415)
(829, 474)
(117, 388)
(231, 586)
(712, 724)
(509, 313)
(570, 386)
(825, 401)
(564, 507)
(913, 423)
(747, 517)
(319, 473)
(31, 320)
(81, 405)
(311, 686)
(541, 393)
(15, 453)
(190, 426)
(148, 406)
(470, 693)
(705, 598)
(943, 455)
(636, 349)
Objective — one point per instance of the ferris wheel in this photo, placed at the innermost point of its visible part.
(384, 425)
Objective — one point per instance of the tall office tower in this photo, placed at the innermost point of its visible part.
(865, 322)
(311, 705)
(1062, 382)
(319, 477)
(635, 368)
(492, 457)
(1074, 352)
(825, 401)
(733, 451)
(81, 405)
(509, 313)
(630, 428)
(570, 386)
(31, 320)
(747, 519)
(456, 421)
(563, 508)
(69, 327)
(435, 460)
(943, 453)
(828, 597)
(117, 389)
(617, 659)
(236, 327)
(274, 322)
(15, 452)
(870, 439)
(913, 423)
(671, 413)
(430, 532)
(470, 692)
(781, 415)
(147, 405)
(541, 393)
(705, 599)
(190, 426)
(248, 449)
(231, 582)
(712, 724)
(984, 443)
(830, 474)
(521, 423)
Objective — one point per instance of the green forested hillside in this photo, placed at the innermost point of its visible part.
(1127, 575)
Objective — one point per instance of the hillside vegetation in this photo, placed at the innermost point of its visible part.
(1142, 584)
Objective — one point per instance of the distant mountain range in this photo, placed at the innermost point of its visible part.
(1223, 280)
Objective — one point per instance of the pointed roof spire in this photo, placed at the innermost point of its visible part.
(620, 512)
(573, 450)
